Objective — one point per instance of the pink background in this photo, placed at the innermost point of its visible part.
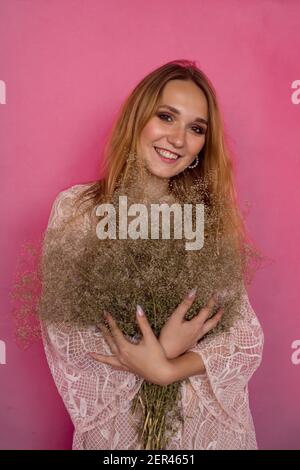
(68, 65)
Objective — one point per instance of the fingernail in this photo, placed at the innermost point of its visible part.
(191, 293)
(220, 312)
(139, 310)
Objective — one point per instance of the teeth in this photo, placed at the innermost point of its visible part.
(166, 154)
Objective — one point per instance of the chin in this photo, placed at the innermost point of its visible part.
(159, 172)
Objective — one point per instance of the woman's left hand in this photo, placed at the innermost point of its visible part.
(146, 359)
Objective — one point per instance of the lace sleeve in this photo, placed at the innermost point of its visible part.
(63, 209)
(230, 360)
(92, 392)
(60, 219)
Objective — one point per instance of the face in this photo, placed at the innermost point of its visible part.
(181, 131)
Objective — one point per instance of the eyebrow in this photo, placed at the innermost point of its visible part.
(176, 111)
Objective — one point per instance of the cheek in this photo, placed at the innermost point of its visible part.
(152, 131)
(196, 146)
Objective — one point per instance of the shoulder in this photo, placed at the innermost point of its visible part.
(63, 204)
(72, 191)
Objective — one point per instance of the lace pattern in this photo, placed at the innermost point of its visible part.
(98, 397)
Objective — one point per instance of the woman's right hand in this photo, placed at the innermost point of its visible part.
(178, 335)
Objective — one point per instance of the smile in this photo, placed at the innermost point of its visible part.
(166, 155)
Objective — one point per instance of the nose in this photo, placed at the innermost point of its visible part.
(176, 136)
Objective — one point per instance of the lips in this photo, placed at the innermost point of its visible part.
(168, 161)
(167, 150)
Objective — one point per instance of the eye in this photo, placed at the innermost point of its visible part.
(198, 130)
(161, 116)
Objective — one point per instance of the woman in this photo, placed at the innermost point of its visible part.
(171, 122)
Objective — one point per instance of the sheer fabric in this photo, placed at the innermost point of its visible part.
(98, 397)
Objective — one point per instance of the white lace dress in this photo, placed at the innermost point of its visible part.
(97, 396)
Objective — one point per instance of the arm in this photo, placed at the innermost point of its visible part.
(184, 366)
(230, 359)
(93, 393)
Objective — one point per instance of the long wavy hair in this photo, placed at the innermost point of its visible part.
(138, 108)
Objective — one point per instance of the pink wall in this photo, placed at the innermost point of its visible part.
(67, 65)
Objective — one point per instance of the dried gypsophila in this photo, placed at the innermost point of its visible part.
(82, 276)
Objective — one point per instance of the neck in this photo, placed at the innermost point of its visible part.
(154, 189)
(145, 187)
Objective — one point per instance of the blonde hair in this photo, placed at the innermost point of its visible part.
(134, 114)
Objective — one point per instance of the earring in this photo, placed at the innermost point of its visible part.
(195, 164)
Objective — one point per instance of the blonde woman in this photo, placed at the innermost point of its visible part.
(172, 122)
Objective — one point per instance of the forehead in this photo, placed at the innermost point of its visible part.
(186, 96)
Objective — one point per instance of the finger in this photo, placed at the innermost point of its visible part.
(212, 322)
(115, 331)
(108, 338)
(206, 311)
(147, 332)
(185, 304)
(110, 360)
